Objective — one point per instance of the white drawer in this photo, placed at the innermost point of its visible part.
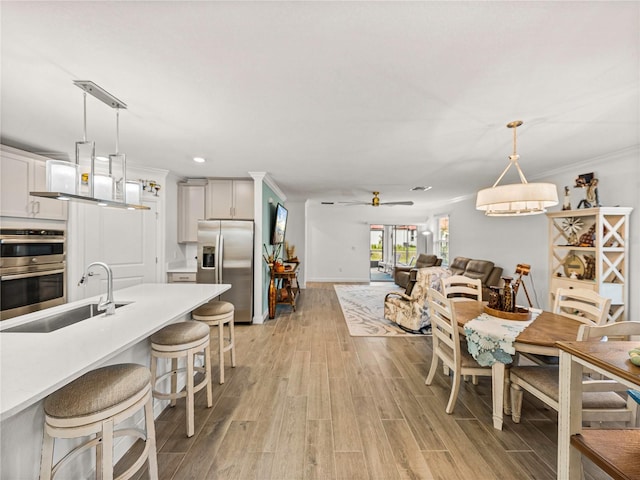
(564, 282)
(175, 277)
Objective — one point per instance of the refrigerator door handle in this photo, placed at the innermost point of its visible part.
(219, 258)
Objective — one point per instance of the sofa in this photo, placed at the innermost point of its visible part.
(485, 270)
(401, 273)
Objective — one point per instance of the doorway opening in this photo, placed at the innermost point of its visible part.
(389, 246)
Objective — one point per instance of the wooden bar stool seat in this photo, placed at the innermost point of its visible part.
(176, 341)
(217, 313)
(93, 405)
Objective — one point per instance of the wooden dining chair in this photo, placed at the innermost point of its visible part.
(447, 346)
(459, 287)
(601, 399)
(582, 304)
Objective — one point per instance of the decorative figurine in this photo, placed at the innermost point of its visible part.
(588, 239)
(566, 203)
(590, 269)
(591, 198)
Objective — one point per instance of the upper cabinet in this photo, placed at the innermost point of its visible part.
(191, 203)
(21, 173)
(230, 199)
(589, 248)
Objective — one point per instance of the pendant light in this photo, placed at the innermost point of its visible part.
(100, 181)
(118, 166)
(85, 157)
(519, 198)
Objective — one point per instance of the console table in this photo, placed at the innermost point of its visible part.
(283, 287)
(614, 451)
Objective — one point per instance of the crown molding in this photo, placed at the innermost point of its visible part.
(266, 178)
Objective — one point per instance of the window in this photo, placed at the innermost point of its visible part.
(442, 239)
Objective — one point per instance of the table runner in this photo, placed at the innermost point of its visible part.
(490, 339)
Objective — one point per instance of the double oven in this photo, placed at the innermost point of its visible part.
(32, 270)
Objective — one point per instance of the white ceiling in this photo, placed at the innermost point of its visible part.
(332, 99)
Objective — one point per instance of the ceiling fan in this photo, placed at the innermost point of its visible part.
(375, 202)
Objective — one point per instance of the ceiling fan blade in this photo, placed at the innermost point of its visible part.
(408, 202)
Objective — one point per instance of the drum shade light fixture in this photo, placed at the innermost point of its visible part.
(518, 198)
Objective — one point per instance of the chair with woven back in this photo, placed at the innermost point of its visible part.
(602, 400)
(461, 288)
(448, 348)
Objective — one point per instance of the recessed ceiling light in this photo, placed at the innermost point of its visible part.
(102, 159)
(420, 189)
(198, 159)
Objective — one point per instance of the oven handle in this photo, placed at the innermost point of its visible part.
(32, 240)
(31, 274)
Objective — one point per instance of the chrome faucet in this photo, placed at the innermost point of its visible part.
(108, 305)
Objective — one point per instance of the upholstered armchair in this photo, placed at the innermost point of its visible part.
(409, 309)
(401, 273)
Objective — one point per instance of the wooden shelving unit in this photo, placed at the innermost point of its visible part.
(283, 287)
(609, 254)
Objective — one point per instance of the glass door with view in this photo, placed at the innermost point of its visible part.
(390, 245)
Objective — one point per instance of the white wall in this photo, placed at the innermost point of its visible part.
(337, 237)
(295, 235)
(337, 247)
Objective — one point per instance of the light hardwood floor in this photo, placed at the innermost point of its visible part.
(308, 401)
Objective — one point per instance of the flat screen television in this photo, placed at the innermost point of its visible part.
(279, 225)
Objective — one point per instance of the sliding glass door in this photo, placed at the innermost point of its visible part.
(390, 245)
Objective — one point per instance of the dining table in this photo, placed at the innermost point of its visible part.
(538, 338)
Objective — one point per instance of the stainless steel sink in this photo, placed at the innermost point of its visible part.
(60, 320)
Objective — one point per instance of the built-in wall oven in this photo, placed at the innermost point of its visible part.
(32, 270)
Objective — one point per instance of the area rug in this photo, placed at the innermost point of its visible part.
(363, 310)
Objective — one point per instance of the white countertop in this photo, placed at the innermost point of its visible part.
(33, 365)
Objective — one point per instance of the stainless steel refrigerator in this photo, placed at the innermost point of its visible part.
(225, 255)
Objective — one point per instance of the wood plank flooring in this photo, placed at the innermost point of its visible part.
(308, 401)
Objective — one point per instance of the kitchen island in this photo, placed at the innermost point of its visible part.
(33, 365)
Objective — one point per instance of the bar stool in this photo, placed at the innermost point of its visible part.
(217, 313)
(182, 340)
(91, 406)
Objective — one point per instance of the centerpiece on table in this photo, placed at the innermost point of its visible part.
(502, 304)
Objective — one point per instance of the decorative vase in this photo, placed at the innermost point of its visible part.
(494, 298)
(508, 303)
(272, 297)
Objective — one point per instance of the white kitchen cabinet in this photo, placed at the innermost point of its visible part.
(230, 199)
(191, 208)
(21, 173)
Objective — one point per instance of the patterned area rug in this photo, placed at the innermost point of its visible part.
(363, 310)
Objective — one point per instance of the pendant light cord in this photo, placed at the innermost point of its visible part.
(513, 160)
(117, 130)
(84, 138)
